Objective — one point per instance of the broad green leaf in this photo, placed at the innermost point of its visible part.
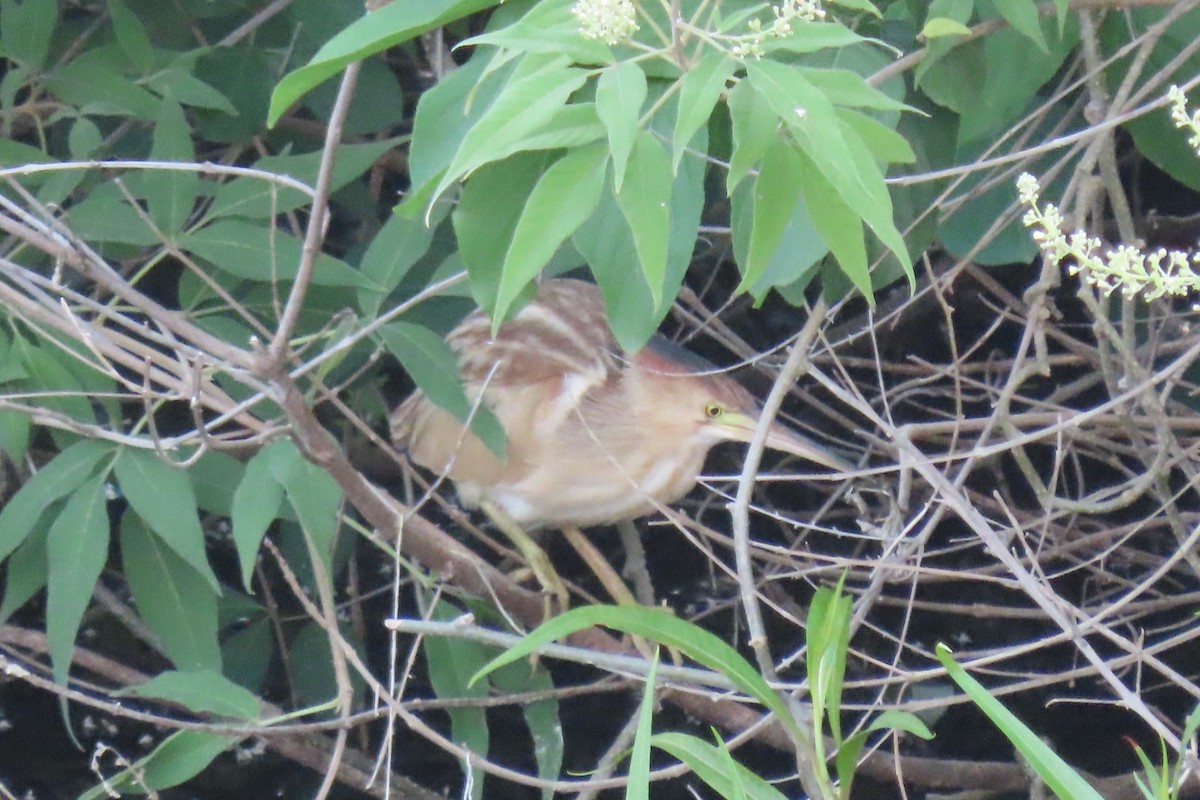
(840, 228)
(809, 37)
(776, 190)
(179, 81)
(255, 252)
(162, 495)
(68, 471)
(754, 130)
(202, 691)
(91, 84)
(399, 244)
(541, 716)
(859, 5)
(662, 627)
(1022, 15)
(105, 216)
(26, 30)
(936, 27)
(620, 93)
(645, 199)
(885, 144)
(171, 597)
(26, 570)
(255, 198)
(1058, 774)
(484, 227)
(562, 200)
(538, 88)
(214, 477)
(709, 765)
(846, 88)
(548, 26)
(373, 33)
(444, 114)
(572, 125)
(180, 757)
(255, 506)
(171, 194)
(639, 756)
(451, 663)
(312, 493)
(800, 248)
(48, 371)
(131, 35)
(76, 550)
(15, 154)
(431, 364)
(700, 89)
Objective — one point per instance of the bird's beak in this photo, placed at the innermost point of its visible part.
(740, 427)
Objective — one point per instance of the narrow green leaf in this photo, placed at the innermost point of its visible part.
(859, 5)
(709, 765)
(645, 200)
(562, 200)
(662, 627)
(373, 33)
(541, 716)
(162, 495)
(90, 83)
(255, 252)
(255, 506)
(886, 145)
(754, 129)
(171, 194)
(202, 691)
(810, 37)
(398, 245)
(1023, 16)
(76, 550)
(180, 757)
(1058, 774)
(538, 88)
(432, 365)
(942, 26)
(849, 89)
(312, 493)
(620, 93)
(639, 755)
(776, 190)
(57, 479)
(839, 226)
(26, 570)
(171, 597)
(451, 663)
(700, 89)
(131, 35)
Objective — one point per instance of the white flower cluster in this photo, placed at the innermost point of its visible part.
(1182, 119)
(1135, 273)
(612, 21)
(788, 11)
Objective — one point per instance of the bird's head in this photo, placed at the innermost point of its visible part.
(683, 392)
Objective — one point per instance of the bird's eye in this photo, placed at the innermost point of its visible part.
(713, 410)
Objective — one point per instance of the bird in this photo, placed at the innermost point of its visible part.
(594, 435)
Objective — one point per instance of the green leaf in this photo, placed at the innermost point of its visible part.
(886, 145)
(76, 550)
(398, 245)
(432, 365)
(312, 493)
(639, 755)
(827, 634)
(700, 89)
(541, 716)
(1058, 774)
(561, 200)
(754, 130)
(846, 88)
(171, 194)
(131, 35)
(26, 29)
(373, 33)
(538, 88)
(255, 252)
(942, 26)
(645, 200)
(26, 570)
(451, 663)
(810, 37)
(859, 5)
(1022, 15)
(620, 93)
(180, 757)
(711, 767)
(68, 471)
(776, 190)
(162, 495)
(662, 627)
(255, 506)
(201, 691)
(91, 84)
(171, 597)
(548, 26)
(839, 226)
(214, 477)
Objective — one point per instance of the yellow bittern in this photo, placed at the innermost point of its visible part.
(595, 436)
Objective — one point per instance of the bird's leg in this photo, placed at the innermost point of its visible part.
(635, 562)
(539, 562)
(600, 567)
